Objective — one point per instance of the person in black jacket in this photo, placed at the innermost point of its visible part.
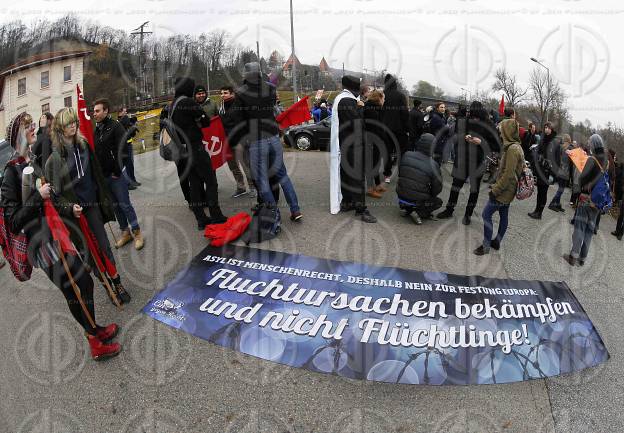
(420, 180)
(586, 213)
(26, 212)
(256, 101)
(474, 138)
(396, 119)
(43, 146)
(619, 196)
(127, 152)
(188, 118)
(543, 160)
(110, 142)
(439, 129)
(375, 143)
(416, 123)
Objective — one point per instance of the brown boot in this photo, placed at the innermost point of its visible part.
(138, 239)
(373, 193)
(125, 238)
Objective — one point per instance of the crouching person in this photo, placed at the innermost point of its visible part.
(24, 210)
(504, 189)
(77, 179)
(420, 180)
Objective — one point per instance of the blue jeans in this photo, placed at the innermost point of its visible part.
(491, 207)
(584, 225)
(266, 160)
(124, 212)
(556, 200)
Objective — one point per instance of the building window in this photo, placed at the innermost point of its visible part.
(67, 102)
(45, 79)
(21, 86)
(45, 108)
(67, 73)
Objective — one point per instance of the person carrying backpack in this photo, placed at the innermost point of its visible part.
(594, 199)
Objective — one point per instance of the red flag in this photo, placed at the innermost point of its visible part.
(296, 114)
(501, 106)
(86, 128)
(57, 228)
(96, 252)
(216, 143)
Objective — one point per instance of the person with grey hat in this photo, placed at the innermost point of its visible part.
(587, 213)
(255, 102)
(347, 141)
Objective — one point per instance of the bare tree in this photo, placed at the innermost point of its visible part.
(547, 94)
(506, 82)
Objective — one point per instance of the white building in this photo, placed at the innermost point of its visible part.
(40, 83)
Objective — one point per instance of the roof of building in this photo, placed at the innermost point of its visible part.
(43, 58)
(289, 62)
(323, 66)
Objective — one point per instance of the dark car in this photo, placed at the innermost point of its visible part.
(5, 154)
(310, 136)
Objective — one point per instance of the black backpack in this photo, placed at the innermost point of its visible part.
(170, 146)
(265, 225)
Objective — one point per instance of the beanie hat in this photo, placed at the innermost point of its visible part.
(13, 128)
(199, 88)
(352, 83)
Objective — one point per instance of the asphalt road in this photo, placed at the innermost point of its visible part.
(167, 381)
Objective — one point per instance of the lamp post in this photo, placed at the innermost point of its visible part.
(292, 47)
(547, 80)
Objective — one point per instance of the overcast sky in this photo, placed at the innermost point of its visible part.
(452, 43)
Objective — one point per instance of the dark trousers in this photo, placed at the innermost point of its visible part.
(556, 200)
(94, 219)
(542, 196)
(619, 227)
(352, 183)
(182, 168)
(475, 185)
(203, 189)
(56, 273)
(397, 143)
(129, 163)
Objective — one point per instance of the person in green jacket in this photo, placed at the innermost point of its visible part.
(504, 189)
(74, 172)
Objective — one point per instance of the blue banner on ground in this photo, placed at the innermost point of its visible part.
(380, 324)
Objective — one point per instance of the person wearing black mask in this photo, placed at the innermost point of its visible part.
(188, 118)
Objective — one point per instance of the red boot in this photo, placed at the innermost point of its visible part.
(100, 351)
(108, 333)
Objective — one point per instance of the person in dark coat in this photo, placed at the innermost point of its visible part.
(439, 129)
(474, 138)
(128, 153)
(420, 179)
(416, 123)
(561, 171)
(24, 211)
(189, 118)
(396, 119)
(529, 139)
(375, 143)
(543, 161)
(619, 196)
(586, 216)
(43, 146)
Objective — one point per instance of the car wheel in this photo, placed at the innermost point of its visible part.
(303, 142)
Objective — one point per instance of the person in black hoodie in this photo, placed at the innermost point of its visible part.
(420, 179)
(586, 213)
(396, 119)
(256, 103)
(544, 160)
(619, 195)
(474, 138)
(188, 118)
(375, 144)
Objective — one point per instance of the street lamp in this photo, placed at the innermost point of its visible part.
(547, 79)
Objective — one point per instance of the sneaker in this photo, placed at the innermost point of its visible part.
(417, 220)
(555, 208)
(466, 220)
(366, 216)
(494, 243)
(105, 334)
(202, 223)
(239, 192)
(618, 236)
(374, 193)
(131, 187)
(100, 350)
(124, 239)
(296, 216)
(535, 215)
(387, 179)
(123, 296)
(447, 213)
(568, 258)
(481, 250)
(252, 193)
